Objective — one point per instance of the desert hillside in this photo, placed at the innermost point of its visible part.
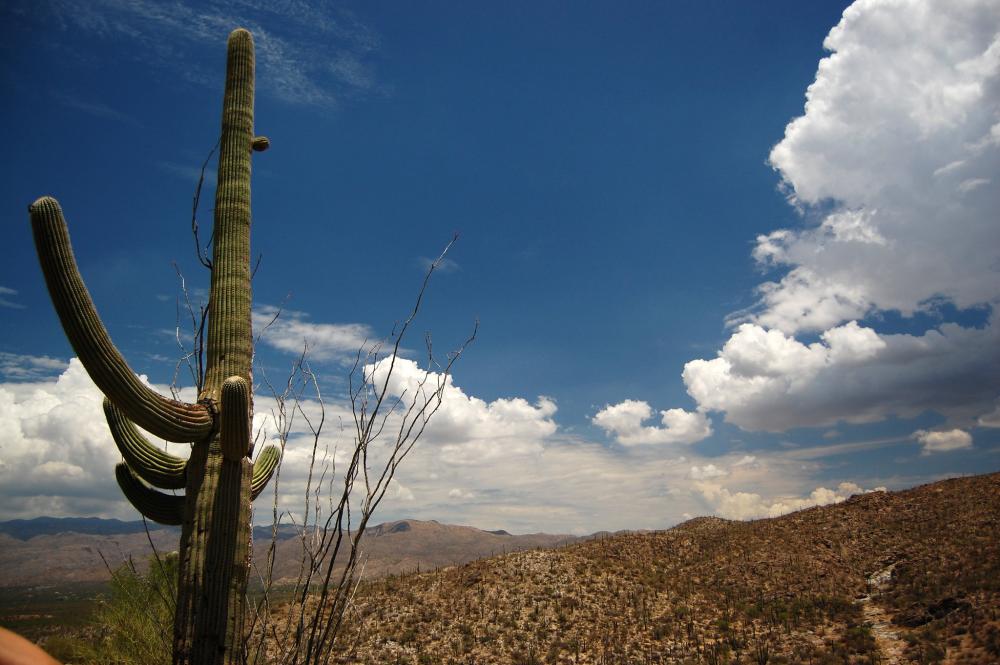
(898, 577)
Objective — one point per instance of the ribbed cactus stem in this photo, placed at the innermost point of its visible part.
(234, 430)
(263, 469)
(157, 506)
(215, 541)
(229, 349)
(165, 418)
(219, 480)
(215, 560)
(155, 466)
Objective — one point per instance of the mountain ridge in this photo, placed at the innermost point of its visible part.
(51, 550)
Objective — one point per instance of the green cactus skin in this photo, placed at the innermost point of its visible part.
(166, 418)
(230, 345)
(263, 469)
(218, 478)
(215, 539)
(157, 506)
(214, 559)
(234, 435)
(156, 467)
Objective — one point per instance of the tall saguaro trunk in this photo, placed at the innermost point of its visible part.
(219, 479)
(229, 340)
(215, 540)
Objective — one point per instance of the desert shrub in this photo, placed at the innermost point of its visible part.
(859, 639)
(135, 622)
(69, 649)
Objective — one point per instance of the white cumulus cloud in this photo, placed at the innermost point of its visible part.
(900, 134)
(750, 505)
(892, 165)
(766, 380)
(706, 472)
(625, 422)
(468, 430)
(942, 441)
(57, 456)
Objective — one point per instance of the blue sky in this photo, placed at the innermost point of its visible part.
(696, 293)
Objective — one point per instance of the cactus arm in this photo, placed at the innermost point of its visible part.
(263, 469)
(157, 506)
(165, 418)
(234, 431)
(156, 467)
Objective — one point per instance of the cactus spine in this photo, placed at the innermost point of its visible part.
(219, 479)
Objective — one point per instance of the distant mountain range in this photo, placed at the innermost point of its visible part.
(98, 526)
(91, 526)
(54, 550)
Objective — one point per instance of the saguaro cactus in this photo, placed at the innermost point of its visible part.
(219, 479)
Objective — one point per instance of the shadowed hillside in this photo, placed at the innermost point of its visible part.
(899, 577)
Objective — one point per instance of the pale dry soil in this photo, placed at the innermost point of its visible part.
(890, 645)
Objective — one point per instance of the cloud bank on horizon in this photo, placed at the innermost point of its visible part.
(892, 166)
(500, 464)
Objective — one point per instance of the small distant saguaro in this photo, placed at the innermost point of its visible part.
(219, 479)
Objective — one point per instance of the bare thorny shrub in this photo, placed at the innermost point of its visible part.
(305, 625)
(339, 502)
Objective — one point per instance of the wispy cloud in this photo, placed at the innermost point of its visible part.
(188, 172)
(828, 450)
(292, 332)
(309, 53)
(23, 367)
(444, 265)
(93, 108)
(6, 295)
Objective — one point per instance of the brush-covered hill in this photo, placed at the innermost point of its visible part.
(897, 577)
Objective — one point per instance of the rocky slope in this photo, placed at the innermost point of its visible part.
(900, 577)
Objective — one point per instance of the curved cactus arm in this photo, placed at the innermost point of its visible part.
(234, 430)
(263, 469)
(157, 506)
(165, 418)
(156, 467)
